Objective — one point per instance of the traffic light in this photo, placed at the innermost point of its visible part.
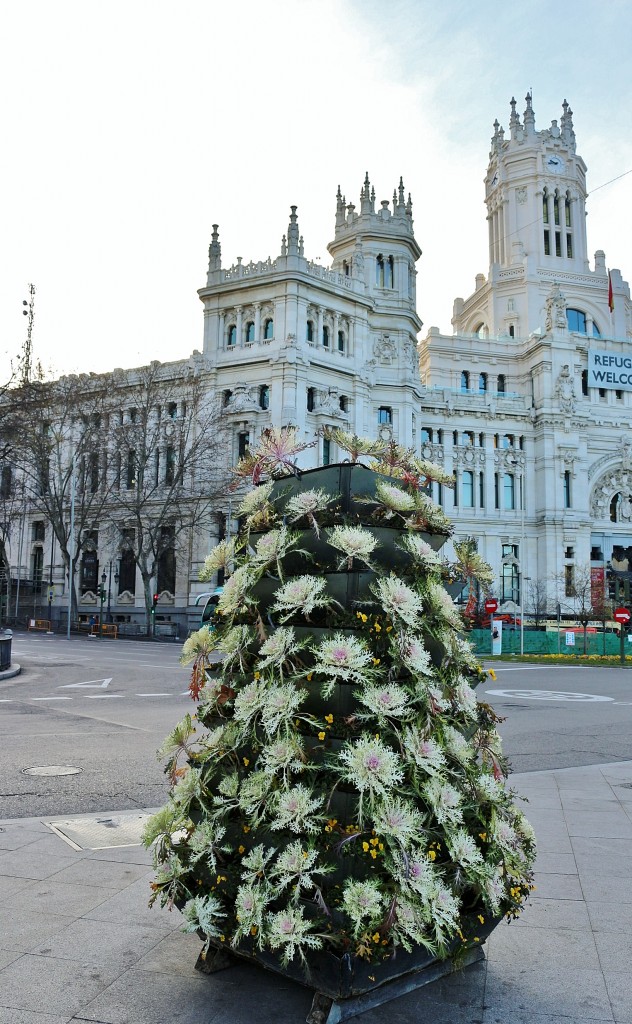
(156, 596)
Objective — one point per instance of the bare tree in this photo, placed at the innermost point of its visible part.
(63, 426)
(577, 586)
(537, 601)
(169, 466)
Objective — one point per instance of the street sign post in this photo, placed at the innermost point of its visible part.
(491, 605)
(622, 616)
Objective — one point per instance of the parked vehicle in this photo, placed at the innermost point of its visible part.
(210, 607)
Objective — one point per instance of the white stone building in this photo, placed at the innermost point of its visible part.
(528, 401)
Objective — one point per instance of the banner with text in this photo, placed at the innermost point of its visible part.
(609, 370)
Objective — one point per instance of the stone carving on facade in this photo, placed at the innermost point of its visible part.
(468, 456)
(509, 460)
(328, 403)
(384, 350)
(568, 457)
(617, 481)
(433, 452)
(565, 390)
(242, 399)
(555, 310)
(357, 264)
(521, 196)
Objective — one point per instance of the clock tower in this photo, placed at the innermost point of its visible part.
(535, 193)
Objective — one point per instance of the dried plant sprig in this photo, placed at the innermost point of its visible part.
(274, 455)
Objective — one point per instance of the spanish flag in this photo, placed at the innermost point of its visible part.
(610, 295)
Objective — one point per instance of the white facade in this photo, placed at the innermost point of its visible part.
(541, 447)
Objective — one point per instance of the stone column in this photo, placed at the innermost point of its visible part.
(258, 322)
(240, 326)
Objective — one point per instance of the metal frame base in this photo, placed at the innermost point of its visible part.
(325, 1010)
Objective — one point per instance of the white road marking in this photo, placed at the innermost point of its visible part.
(92, 684)
(51, 698)
(152, 695)
(102, 696)
(560, 695)
(523, 668)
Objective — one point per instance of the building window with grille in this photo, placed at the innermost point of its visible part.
(509, 491)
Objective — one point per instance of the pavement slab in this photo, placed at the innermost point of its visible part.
(78, 942)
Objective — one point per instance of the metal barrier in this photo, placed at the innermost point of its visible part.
(39, 624)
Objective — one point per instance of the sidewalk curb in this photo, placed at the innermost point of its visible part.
(10, 672)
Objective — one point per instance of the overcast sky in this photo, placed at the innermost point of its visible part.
(130, 127)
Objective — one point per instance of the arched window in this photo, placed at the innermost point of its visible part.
(268, 329)
(389, 275)
(264, 397)
(250, 331)
(346, 268)
(310, 399)
(344, 403)
(379, 271)
(227, 397)
(465, 380)
(500, 384)
(325, 336)
(6, 482)
(309, 332)
(577, 322)
(341, 341)
(482, 383)
(614, 508)
(231, 338)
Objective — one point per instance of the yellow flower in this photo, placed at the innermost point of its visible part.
(329, 718)
(378, 628)
(376, 661)
(374, 842)
(309, 677)
(321, 735)
(388, 629)
(257, 675)
(481, 919)
(381, 847)
(376, 937)
(492, 674)
(222, 938)
(373, 853)
(246, 828)
(365, 847)
(253, 930)
(221, 878)
(483, 836)
(246, 761)
(432, 854)
(241, 849)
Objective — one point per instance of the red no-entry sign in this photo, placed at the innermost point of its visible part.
(620, 615)
(491, 604)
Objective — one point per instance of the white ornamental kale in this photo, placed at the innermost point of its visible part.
(296, 810)
(489, 788)
(423, 751)
(394, 498)
(414, 655)
(203, 913)
(416, 872)
(342, 657)
(495, 890)
(221, 557)
(463, 848)
(457, 745)
(371, 767)
(200, 644)
(445, 801)
(206, 841)
(233, 644)
(421, 552)
(400, 821)
(465, 699)
(353, 542)
(409, 925)
(398, 600)
(289, 931)
(235, 591)
(444, 908)
(300, 594)
(283, 755)
(295, 866)
(279, 707)
(279, 648)
(251, 902)
(254, 794)
(504, 834)
(256, 500)
(249, 703)
(384, 700)
(364, 902)
(439, 604)
(307, 505)
(524, 827)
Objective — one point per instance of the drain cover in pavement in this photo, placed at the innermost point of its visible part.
(52, 769)
(101, 833)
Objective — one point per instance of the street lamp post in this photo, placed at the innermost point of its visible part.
(116, 579)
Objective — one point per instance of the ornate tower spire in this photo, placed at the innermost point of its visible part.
(514, 120)
(293, 234)
(214, 251)
(340, 208)
(365, 195)
(529, 116)
(566, 125)
(401, 200)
